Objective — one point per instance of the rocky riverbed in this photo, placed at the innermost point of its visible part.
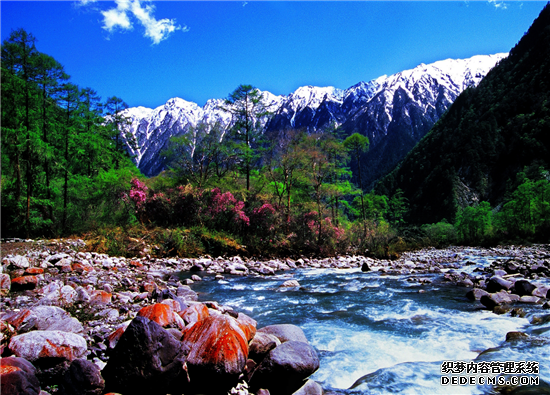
(78, 322)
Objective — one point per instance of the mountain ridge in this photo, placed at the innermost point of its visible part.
(367, 107)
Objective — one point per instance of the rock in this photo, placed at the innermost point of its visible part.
(5, 284)
(523, 287)
(310, 388)
(261, 344)
(162, 314)
(247, 325)
(195, 278)
(218, 348)
(542, 291)
(511, 267)
(18, 262)
(501, 309)
(18, 377)
(37, 345)
(187, 293)
(497, 283)
(476, 294)
(82, 378)
(146, 360)
(99, 297)
(290, 284)
(293, 360)
(194, 313)
(514, 336)
(175, 306)
(285, 332)
(529, 299)
(495, 299)
(365, 267)
(517, 312)
(24, 283)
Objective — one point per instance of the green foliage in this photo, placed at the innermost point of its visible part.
(474, 223)
(441, 234)
(527, 214)
(58, 151)
(489, 134)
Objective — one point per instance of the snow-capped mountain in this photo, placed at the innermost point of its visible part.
(394, 112)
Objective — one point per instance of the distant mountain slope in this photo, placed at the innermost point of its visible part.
(394, 112)
(489, 134)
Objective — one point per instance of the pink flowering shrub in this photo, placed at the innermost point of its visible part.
(224, 212)
(138, 193)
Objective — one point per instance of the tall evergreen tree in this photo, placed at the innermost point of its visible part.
(247, 105)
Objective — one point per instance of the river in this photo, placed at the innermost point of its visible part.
(388, 333)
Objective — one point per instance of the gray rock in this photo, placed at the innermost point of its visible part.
(261, 344)
(82, 378)
(476, 294)
(285, 332)
(495, 299)
(497, 283)
(310, 388)
(285, 369)
(523, 287)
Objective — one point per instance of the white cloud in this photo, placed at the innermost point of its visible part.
(499, 4)
(120, 18)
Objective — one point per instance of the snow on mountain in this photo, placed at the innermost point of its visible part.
(409, 102)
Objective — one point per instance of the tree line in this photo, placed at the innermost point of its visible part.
(63, 161)
(66, 171)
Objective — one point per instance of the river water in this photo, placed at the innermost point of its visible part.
(385, 332)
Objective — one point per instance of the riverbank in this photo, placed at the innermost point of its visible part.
(97, 295)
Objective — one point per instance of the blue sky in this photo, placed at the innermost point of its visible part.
(147, 52)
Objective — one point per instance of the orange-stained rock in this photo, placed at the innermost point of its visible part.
(5, 284)
(114, 337)
(148, 286)
(100, 297)
(34, 270)
(194, 313)
(18, 376)
(8, 369)
(17, 318)
(80, 267)
(136, 264)
(162, 314)
(217, 344)
(48, 344)
(174, 305)
(24, 283)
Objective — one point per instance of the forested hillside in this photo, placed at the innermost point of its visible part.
(63, 163)
(492, 139)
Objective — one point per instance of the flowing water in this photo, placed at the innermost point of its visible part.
(386, 332)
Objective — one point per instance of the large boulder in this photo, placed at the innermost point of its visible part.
(497, 283)
(523, 287)
(37, 345)
(285, 368)
(285, 332)
(163, 315)
(147, 360)
(194, 313)
(218, 350)
(497, 299)
(82, 378)
(18, 377)
(44, 318)
(261, 344)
